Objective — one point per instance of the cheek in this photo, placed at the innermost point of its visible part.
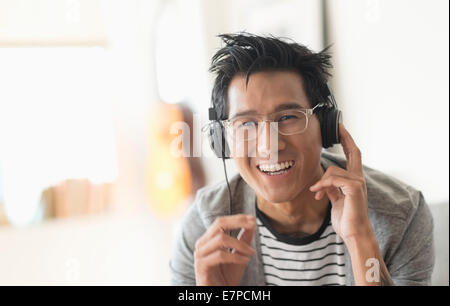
(315, 132)
(309, 146)
(242, 149)
(245, 168)
(312, 138)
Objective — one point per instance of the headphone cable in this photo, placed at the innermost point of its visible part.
(229, 189)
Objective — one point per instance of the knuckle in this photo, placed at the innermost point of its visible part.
(330, 179)
(357, 151)
(328, 172)
(218, 221)
(332, 169)
(361, 182)
(222, 239)
(197, 244)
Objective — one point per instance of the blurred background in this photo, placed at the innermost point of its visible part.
(90, 89)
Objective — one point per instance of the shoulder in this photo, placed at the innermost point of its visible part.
(213, 200)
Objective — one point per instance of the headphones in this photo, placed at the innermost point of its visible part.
(328, 114)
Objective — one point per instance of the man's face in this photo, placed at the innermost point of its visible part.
(265, 94)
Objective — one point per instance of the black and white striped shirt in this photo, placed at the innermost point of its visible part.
(314, 260)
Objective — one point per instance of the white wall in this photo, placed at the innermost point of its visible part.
(391, 80)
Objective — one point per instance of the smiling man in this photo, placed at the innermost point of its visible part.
(300, 215)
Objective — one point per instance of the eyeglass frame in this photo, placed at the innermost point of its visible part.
(308, 112)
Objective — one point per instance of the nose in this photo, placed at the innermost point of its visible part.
(268, 143)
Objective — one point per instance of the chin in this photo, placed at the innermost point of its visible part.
(277, 196)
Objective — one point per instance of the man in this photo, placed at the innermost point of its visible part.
(309, 217)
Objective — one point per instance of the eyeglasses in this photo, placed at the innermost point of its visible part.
(287, 122)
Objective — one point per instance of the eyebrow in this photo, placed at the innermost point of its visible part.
(280, 107)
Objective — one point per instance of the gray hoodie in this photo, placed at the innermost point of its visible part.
(399, 215)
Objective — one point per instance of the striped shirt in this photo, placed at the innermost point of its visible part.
(314, 260)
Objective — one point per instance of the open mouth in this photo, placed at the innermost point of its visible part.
(276, 168)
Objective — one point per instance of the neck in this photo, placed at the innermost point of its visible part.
(301, 216)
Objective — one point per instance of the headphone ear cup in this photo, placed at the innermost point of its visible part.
(217, 141)
(329, 125)
(338, 120)
(226, 151)
(322, 116)
(213, 139)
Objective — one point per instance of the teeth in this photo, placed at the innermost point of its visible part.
(276, 167)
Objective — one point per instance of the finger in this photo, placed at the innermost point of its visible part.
(223, 257)
(319, 195)
(352, 152)
(316, 187)
(224, 241)
(334, 170)
(347, 186)
(224, 223)
(333, 194)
